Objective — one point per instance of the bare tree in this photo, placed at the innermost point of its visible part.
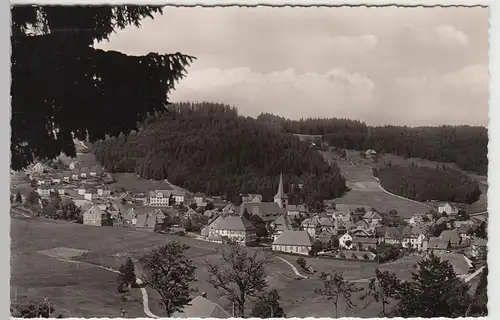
(240, 275)
(167, 270)
(336, 288)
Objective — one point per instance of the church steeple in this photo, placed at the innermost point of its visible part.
(281, 197)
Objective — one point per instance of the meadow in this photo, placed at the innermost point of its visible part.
(84, 290)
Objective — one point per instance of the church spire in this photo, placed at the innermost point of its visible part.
(281, 193)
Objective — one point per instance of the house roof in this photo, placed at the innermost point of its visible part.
(165, 193)
(480, 242)
(450, 235)
(200, 195)
(437, 243)
(412, 231)
(459, 262)
(95, 209)
(372, 215)
(283, 220)
(233, 223)
(261, 208)
(326, 222)
(442, 220)
(149, 219)
(364, 240)
(294, 238)
(327, 234)
(201, 307)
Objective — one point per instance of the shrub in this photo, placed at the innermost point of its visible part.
(301, 262)
(366, 257)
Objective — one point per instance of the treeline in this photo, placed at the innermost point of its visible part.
(208, 147)
(425, 184)
(465, 146)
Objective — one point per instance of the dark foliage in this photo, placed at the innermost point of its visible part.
(268, 306)
(425, 184)
(209, 148)
(19, 198)
(465, 146)
(126, 277)
(434, 291)
(169, 273)
(77, 90)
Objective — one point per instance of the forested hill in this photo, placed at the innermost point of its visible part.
(210, 148)
(465, 146)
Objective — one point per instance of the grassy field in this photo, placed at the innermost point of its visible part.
(366, 191)
(83, 290)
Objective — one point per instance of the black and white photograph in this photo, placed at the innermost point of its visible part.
(249, 162)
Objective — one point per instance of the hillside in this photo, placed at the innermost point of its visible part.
(427, 184)
(209, 148)
(465, 146)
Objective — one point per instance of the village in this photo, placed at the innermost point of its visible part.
(339, 231)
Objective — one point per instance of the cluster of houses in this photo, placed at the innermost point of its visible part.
(292, 229)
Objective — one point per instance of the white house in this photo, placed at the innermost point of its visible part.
(56, 179)
(345, 241)
(75, 176)
(38, 168)
(448, 208)
(179, 196)
(160, 198)
(43, 191)
(290, 241)
(88, 196)
(81, 190)
(60, 190)
(416, 219)
(73, 165)
(373, 218)
(103, 191)
(413, 237)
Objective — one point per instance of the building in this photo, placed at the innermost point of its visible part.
(295, 210)
(413, 237)
(149, 220)
(60, 190)
(370, 153)
(345, 241)
(312, 226)
(43, 191)
(199, 198)
(449, 209)
(283, 223)
(478, 246)
(201, 307)
(268, 211)
(281, 198)
(95, 216)
(81, 190)
(103, 191)
(389, 235)
(416, 219)
(290, 241)
(364, 243)
(236, 228)
(179, 196)
(74, 165)
(94, 171)
(373, 218)
(38, 168)
(83, 172)
(160, 198)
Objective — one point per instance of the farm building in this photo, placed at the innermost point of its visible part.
(290, 241)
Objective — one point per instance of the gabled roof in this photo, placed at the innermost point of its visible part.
(372, 215)
(294, 238)
(459, 262)
(95, 209)
(165, 193)
(199, 195)
(233, 223)
(450, 235)
(261, 208)
(201, 307)
(442, 220)
(412, 231)
(437, 243)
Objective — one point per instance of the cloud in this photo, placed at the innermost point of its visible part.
(452, 35)
(473, 77)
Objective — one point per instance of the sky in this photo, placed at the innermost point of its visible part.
(391, 65)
